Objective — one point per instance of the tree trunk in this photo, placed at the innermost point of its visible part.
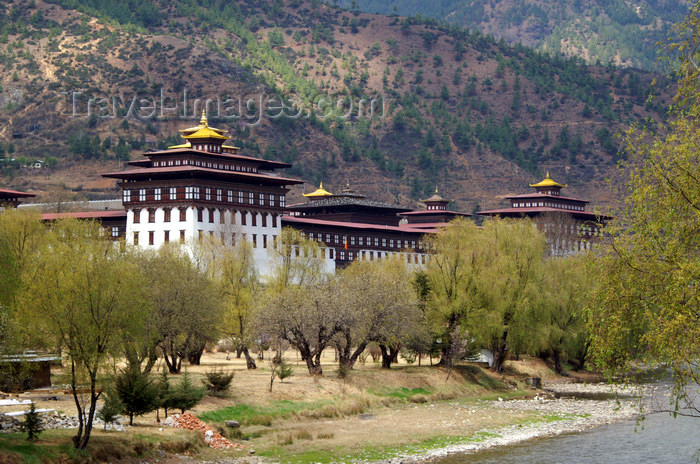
(194, 354)
(249, 361)
(499, 354)
(556, 356)
(239, 351)
(386, 357)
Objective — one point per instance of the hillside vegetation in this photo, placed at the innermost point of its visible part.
(617, 31)
(471, 114)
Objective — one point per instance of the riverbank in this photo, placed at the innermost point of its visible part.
(571, 408)
(408, 414)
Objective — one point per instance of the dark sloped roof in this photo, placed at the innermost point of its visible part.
(346, 201)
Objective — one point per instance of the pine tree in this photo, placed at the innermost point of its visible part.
(185, 395)
(138, 393)
(111, 409)
(32, 424)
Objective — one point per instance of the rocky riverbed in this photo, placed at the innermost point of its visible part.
(564, 412)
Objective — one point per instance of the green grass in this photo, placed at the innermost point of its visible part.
(402, 393)
(373, 453)
(14, 447)
(248, 414)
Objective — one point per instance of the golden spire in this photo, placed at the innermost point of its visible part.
(548, 182)
(203, 121)
(319, 192)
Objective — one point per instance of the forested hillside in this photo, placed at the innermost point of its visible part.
(473, 115)
(597, 30)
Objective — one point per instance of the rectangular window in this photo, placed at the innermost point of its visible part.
(218, 194)
(264, 220)
(391, 243)
(376, 241)
(264, 241)
(151, 234)
(196, 192)
(261, 199)
(243, 217)
(126, 196)
(361, 241)
(311, 235)
(211, 215)
(173, 193)
(166, 236)
(115, 231)
(151, 215)
(250, 198)
(199, 215)
(166, 215)
(254, 219)
(274, 220)
(207, 194)
(136, 238)
(272, 199)
(183, 214)
(222, 217)
(283, 200)
(342, 256)
(137, 216)
(328, 238)
(188, 193)
(352, 240)
(142, 194)
(240, 197)
(413, 244)
(336, 239)
(182, 236)
(383, 243)
(255, 240)
(157, 194)
(230, 196)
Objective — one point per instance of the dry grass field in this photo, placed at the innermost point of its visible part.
(372, 414)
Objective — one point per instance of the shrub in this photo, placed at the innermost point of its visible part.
(185, 395)
(32, 424)
(111, 409)
(217, 380)
(138, 393)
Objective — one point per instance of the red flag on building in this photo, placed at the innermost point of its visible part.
(346, 242)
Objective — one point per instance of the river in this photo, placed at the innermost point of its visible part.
(662, 440)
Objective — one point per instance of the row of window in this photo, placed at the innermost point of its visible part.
(180, 235)
(573, 229)
(204, 193)
(205, 164)
(181, 213)
(528, 204)
(414, 258)
(361, 240)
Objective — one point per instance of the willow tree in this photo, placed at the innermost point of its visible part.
(299, 305)
(21, 232)
(184, 305)
(510, 287)
(83, 293)
(233, 267)
(380, 305)
(453, 310)
(568, 283)
(647, 307)
(485, 287)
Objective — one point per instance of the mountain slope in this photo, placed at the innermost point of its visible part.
(620, 31)
(478, 118)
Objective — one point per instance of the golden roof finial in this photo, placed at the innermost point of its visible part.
(203, 120)
(321, 186)
(547, 175)
(436, 190)
(319, 192)
(347, 183)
